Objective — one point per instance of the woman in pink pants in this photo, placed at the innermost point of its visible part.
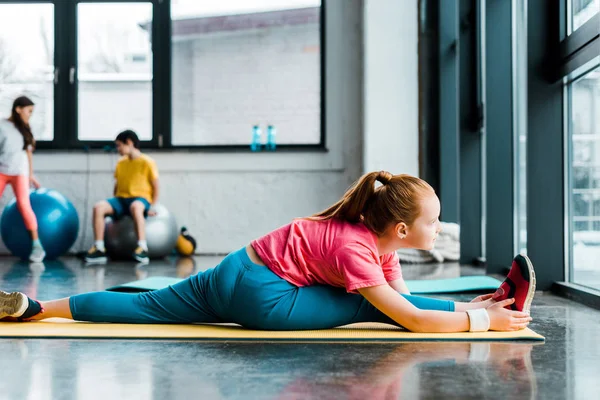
(16, 167)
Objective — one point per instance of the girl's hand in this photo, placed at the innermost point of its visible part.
(34, 182)
(483, 297)
(502, 319)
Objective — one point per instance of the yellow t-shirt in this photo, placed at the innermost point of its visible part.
(134, 177)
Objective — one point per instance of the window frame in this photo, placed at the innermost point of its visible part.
(66, 97)
(579, 54)
(573, 77)
(57, 125)
(314, 147)
(579, 48)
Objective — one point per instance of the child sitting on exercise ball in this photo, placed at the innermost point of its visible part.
(136, 190)
(16, 166)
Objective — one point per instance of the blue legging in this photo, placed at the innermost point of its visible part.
(239, 291)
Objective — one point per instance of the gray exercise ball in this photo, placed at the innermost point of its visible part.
(161, 234)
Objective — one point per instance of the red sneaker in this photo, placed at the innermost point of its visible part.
(520, 284)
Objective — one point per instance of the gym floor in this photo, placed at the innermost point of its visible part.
(565, 366)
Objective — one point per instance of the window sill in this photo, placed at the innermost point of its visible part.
(108, 147)
(581, 294)
(197, 159)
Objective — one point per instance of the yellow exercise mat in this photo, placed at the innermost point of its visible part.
(364, 332)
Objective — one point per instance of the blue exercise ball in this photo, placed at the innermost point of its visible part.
(58, 224)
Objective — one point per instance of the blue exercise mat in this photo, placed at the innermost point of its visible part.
(454, 285)
(145, 285)
(464, 284)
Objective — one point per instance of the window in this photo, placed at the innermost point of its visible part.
(180, 73)
(239, 64)
(520, 123)
(584, 171)
(582, 11)
(27, 62)
(114, 70)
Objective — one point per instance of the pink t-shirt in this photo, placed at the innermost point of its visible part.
(331, 252)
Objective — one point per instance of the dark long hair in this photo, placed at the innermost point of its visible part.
(21, 126)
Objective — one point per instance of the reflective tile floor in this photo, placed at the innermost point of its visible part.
(566, 366)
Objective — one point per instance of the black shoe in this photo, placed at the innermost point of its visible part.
(141, 255)
(95, 256)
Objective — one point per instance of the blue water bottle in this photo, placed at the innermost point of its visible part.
(256, 138)
(271, 136)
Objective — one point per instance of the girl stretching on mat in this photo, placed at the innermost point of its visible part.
(16, 166)
(334, 268)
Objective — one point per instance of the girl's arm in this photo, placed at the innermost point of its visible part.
(30, 161)
(399, 286)
(392, 304)
(32, 178)
(480, 302)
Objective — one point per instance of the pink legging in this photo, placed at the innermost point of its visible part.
(20, 185)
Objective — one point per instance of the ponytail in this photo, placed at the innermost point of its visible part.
(351, 206)
(396, 200)
(21, 125)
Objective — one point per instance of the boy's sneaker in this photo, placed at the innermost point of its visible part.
(520, 284)
(95, 256)
(37, 254)
(12, 304)
(141, 255)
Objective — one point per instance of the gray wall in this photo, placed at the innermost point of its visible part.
(227, 199)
